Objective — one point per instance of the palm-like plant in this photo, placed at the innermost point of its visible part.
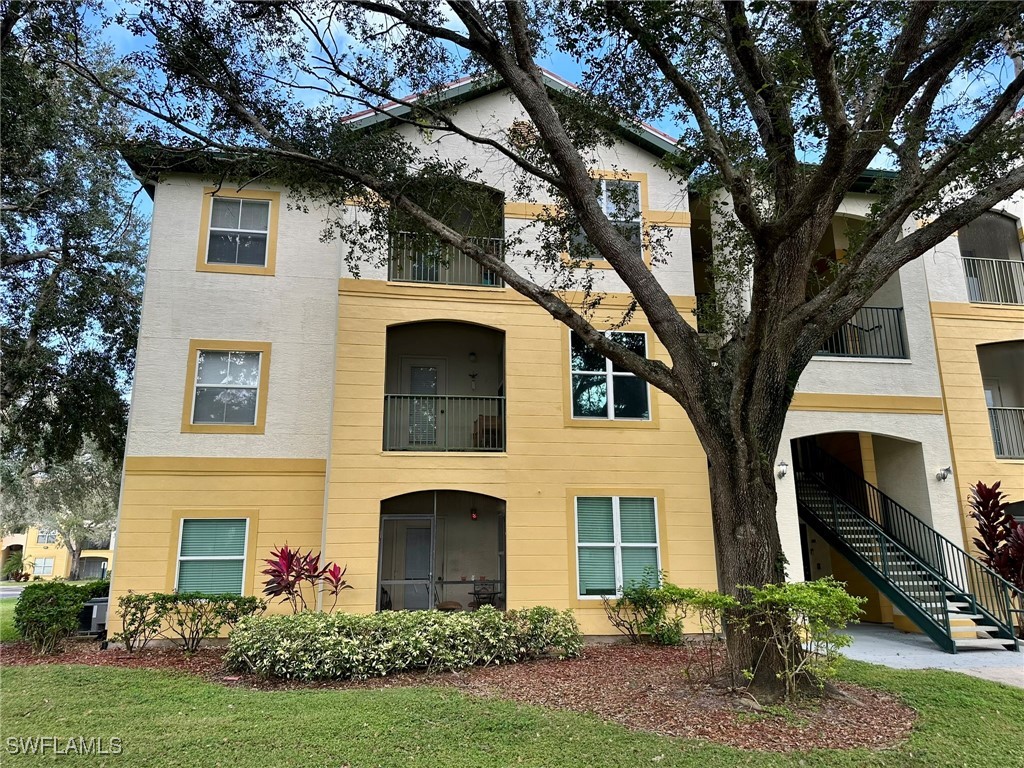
(288, 571)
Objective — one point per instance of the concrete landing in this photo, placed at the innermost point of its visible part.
(903, 650)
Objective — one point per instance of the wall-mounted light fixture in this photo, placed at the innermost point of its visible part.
(943, 473)
(782, 469)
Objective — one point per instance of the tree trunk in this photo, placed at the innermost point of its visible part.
(76, 563)
(748, 552)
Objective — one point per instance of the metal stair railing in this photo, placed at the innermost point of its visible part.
(909, 584)
(988, 593)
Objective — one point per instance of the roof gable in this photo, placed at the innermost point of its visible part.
(469, 88)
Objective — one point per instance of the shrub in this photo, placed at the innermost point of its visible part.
(187, 618)
(539, 630)
(800, 620)
(97, 588)
(289, 571)
(14, 566)
(1001, 542)
(657, 614)
(47, 613)
(140, 621)
(323, 646)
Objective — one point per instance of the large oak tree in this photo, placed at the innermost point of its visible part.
(781, 106)
(73, 246)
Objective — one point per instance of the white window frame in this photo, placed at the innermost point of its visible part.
(617, 545)
(211, 230)
(42, 566)
(609, 372)
(196, 385)
(244, 557)
(606, 205)
(46, 537)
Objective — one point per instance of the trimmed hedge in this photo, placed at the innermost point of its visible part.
(185, 618)
(333, 646)
(46, 614)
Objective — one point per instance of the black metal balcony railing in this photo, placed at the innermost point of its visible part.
(443, 423)
(1007, 432)
(418, 258)
(994, 281)
(872, 332)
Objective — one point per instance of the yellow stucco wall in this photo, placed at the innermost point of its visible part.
(548, 459)
(959, 329)
(283, 499)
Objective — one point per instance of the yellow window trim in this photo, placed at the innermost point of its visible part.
(595, 423)
(228, 513)
(274, 198)
(532, 211)
(658, 494)
(219, 345)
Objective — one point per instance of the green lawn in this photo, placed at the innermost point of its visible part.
(174, 720)
(7, 631)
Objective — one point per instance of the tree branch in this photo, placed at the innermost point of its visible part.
(15, 259)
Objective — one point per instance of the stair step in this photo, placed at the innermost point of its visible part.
(974, 628)
(982, 643)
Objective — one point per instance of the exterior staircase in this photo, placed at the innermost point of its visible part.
(949, 595)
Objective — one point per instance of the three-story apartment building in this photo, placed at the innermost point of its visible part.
(453, 445)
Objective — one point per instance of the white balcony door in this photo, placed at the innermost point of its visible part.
(426, 415)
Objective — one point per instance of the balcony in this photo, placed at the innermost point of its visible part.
(994, 281)
(875, 332)
(418, 258)
(1007, 432)
(444, 388)
(443, 423)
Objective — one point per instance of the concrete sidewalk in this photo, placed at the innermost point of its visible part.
(902, 650)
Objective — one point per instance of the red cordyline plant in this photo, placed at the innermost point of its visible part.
(289, 571)
(1001, 538)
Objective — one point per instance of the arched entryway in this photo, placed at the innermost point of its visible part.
(441, 549)
(444, 387)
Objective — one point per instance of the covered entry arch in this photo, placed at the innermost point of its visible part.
(441, 549)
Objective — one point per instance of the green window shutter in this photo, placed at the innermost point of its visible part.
(636, 518)
(213, 538)
(215, 577)
(639, 565)
(597, 570)
(594, 520)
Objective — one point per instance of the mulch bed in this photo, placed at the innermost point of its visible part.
(644, 688)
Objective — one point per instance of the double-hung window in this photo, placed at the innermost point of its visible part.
(42, 566)
(226, 387)
(211, 555)
(46, 537)
(602, 390)
(616, 544)
(239, 232)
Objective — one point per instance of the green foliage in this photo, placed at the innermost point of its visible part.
(658, 614)
(77, 498)
(139, 619)
(14, 566)
(73, 246)
(331, 646)
(47, 612)
(798, 621)
(97, 588)
(185, 618)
